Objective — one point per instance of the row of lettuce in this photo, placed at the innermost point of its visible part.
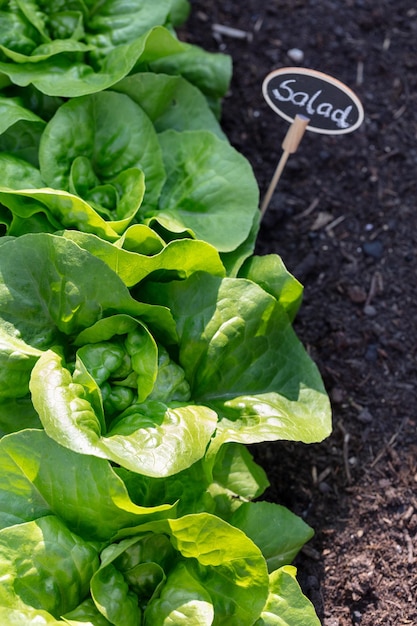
(143, 346)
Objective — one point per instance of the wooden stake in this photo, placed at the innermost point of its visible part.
(289, 145)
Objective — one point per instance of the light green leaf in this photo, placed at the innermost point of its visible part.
(113, 597)
(274, 529)
(17, 359)
(170, 102)
(150, 438)
(64, 209)
(183, 601)
(22, 140)
(26, 616)
(210, 189)
(86, 614)
(18, 35)
(286, 605)
(18, 174)
(12, 112)
(188, 489)
(236, 471)
(45, 566)
(141, 239)
(34, 482)
(230, 568)
(131, 572)
(233, 260)
(139, 345)
(117, 22)
(178, 259)
(117, 136)
(66, 76)
(211, 73)
(50, 287)
(235, 479)
(270, 273)
(242, 358)
(46, 51)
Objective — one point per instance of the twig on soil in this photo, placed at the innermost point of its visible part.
(258, 24)
(308, 210)
(236, 33)
(399, 112)
(377, 286)
(346, 439)
(333, 224)
(389, 444)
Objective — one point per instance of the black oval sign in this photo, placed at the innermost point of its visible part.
(331, 107)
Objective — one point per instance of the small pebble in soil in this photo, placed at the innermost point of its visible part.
(337, 395)
(369, 310)
(296, 55)
(365, 416)
(324, 487)
(374, 249)
(371, 353)
(357, 294)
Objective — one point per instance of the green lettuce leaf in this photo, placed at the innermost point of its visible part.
(29, 617)
(64, 209)
(118, 137)
(243, 359)
(270, 273)
(232, 570)
(45, 566)
(51, 289)
(274, 529)
(230, 574)
(34, 482)
(86, 614)
(16, 362)
(218, 486)
(150, 438)
(118, 22)
(177, 260)
(170, 102)
(180, 10)
(17, 173)
(17, 414)
(286, 605)
(57, 72)
(11, 112)
(183, 601)
(210, 189)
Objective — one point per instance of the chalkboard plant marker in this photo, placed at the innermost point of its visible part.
(289, 146)
(310, 100)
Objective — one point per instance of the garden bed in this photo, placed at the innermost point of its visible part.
(344, 221)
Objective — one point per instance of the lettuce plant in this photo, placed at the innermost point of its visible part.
(72, 49)
(150, 381)
(142, 346)
(74, 339)
(121, 563)
(137, 161)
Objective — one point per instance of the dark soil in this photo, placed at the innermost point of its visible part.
(344, 220)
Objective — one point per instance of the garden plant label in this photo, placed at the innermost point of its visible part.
(331, 107)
